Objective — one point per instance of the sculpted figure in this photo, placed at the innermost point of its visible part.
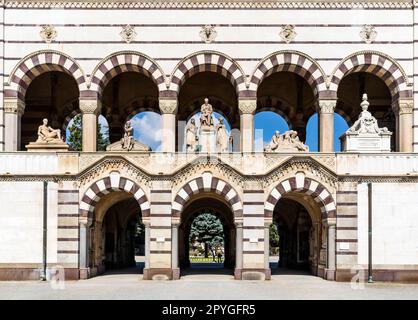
(294, 140)
(47, 134)
(366, 123)
(191, 137)
(275, 142)
(222, 138)
(206, 110)
(128, 137)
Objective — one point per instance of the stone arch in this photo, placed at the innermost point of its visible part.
(377, 63)
(211, 61)
(207, 183)
(302, 184)
(40, 62)
(290, 61)
(125, 61)
(113, 182)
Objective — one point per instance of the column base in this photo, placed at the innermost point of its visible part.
(160, 274)
(329, 274)
(252, 274)
(84, 273)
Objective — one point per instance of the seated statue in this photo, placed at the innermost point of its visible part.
(275, 142)
(48, 135)
(366, 123)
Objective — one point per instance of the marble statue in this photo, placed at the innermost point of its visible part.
(222, 139)
(206, 120)
(48, 135)
(365, 135)
(128, 137)
(191, 136)
(286, 142)
(127, 142)
(366, 123)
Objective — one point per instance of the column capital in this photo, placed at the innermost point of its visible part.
(247, 106)
(238, 223)
(327, 106)
(90, 106)
(14, 106)
(168, 106)
(405, 106)
(330, 222)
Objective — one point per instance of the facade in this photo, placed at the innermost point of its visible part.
(297, 58)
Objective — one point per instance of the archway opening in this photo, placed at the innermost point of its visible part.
(53, 95)
(289, 95)
(117, 235)
(222, 96)
(350, 92)
(295, 236)
(126, 95)
(207, 230)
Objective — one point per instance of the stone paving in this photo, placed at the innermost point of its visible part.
(194, 286)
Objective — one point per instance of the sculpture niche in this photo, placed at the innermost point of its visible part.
(49, 140)
(128, 143)
(207, 138)
(365, 135)
(286, 142)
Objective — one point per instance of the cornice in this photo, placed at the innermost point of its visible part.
(212, 4)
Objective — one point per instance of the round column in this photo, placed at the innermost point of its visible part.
(90, 109)
(175, 250)
(326, 125)
(247, 108)
(405, 125)
(238, 254)
(168, 109)
(13, 111)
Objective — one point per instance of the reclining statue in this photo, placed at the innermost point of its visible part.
(48, 135)
(286, 142)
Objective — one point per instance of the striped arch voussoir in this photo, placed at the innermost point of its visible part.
(211, 62)
(377, 64)
(295, 62)
(109, 184)
(122, 62)
(207, 183)
(302, 185)
(35, 64)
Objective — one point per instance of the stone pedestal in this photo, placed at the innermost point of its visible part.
(355, 142)
(207, 140)
(47, 147)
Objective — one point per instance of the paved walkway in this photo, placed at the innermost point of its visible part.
(216, 286)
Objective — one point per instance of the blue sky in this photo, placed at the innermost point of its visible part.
(147, 128)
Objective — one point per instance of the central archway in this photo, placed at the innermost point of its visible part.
(206, 195)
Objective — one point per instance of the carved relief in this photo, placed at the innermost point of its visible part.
(406, 106)
(168, 106)
(48, 33)
(368, 34)
(247, 106)
(208, 33)
(128, 33)
(288, 33)
(327, 106)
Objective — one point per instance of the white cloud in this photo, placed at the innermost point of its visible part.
(147, 129)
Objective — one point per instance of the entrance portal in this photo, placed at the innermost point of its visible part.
(294, 240)
(117, 235)
(207, 230)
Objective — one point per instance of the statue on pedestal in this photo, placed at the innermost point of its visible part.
(191, 136)
(206, 120)
(48, 135)
(366, 123)
(128, 137)
(222, 138)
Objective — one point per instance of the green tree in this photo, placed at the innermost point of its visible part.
(75, 137)
(274, 238)
(207, 229)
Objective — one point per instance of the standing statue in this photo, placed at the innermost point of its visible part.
(128, 137)
(47, 134)
(206, 110)
(191, 137)
(222, 139)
